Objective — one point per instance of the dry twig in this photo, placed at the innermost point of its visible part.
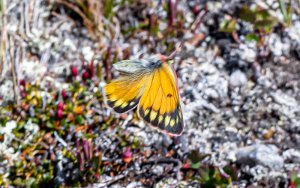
(13, 66)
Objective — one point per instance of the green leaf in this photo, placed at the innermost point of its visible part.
(1, 7)
(195, 156)
(196, 165)
(64, 122)
(247, 15)
(30, 182)
(231, 171)
(228, 26)
(252, 37)
(18, 181)
(282, 7)
(49, 124)
(108, 9)
(104, 126)
(79, 120)
(262, 14)
(123, 143)
(85, 9)
(286, 11)
(295, 179)
(266, 24)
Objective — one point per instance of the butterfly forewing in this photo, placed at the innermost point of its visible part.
(160, 105)
(124, 93)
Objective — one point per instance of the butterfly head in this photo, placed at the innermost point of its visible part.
(153, 62)
(166, 59)
(157, 60)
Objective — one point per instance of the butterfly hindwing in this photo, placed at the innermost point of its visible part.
(160, 104)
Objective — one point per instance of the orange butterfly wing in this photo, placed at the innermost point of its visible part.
(124, 93)
(160, 103)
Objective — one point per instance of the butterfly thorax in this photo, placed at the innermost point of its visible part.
(153, 62)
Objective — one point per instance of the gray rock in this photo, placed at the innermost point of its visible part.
(219, 62)
(208, 68)
(25, 70)
(166, 182)
(276, 45)
(266, 155)
(166, 141)
(134, 184)
(211, 93)
(6, 90)
(158, 170)
(264, 81)
(221, 86)
(284, 99)
(184, 142)
(291, 155)
(248, 52)
(238, 79)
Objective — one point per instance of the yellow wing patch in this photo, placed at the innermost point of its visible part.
(160, 104)
(124, 93)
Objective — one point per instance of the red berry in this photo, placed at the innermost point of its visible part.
(64, 94)
(186, 165)
(92, 69)
(23, 93)
(196, 10)
(22, 82)
(85, 75)
(127, 155)
(59, 113)
(74, 71)
(97, 176)
(60, 106)
(292, 185)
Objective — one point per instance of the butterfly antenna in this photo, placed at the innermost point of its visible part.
(172, 55)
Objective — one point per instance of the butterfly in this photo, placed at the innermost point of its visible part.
(150, 84)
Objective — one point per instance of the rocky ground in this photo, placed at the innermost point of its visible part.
(238, 75)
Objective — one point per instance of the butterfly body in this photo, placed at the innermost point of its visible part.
(150, 85)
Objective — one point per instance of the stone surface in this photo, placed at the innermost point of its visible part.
(266, 155)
